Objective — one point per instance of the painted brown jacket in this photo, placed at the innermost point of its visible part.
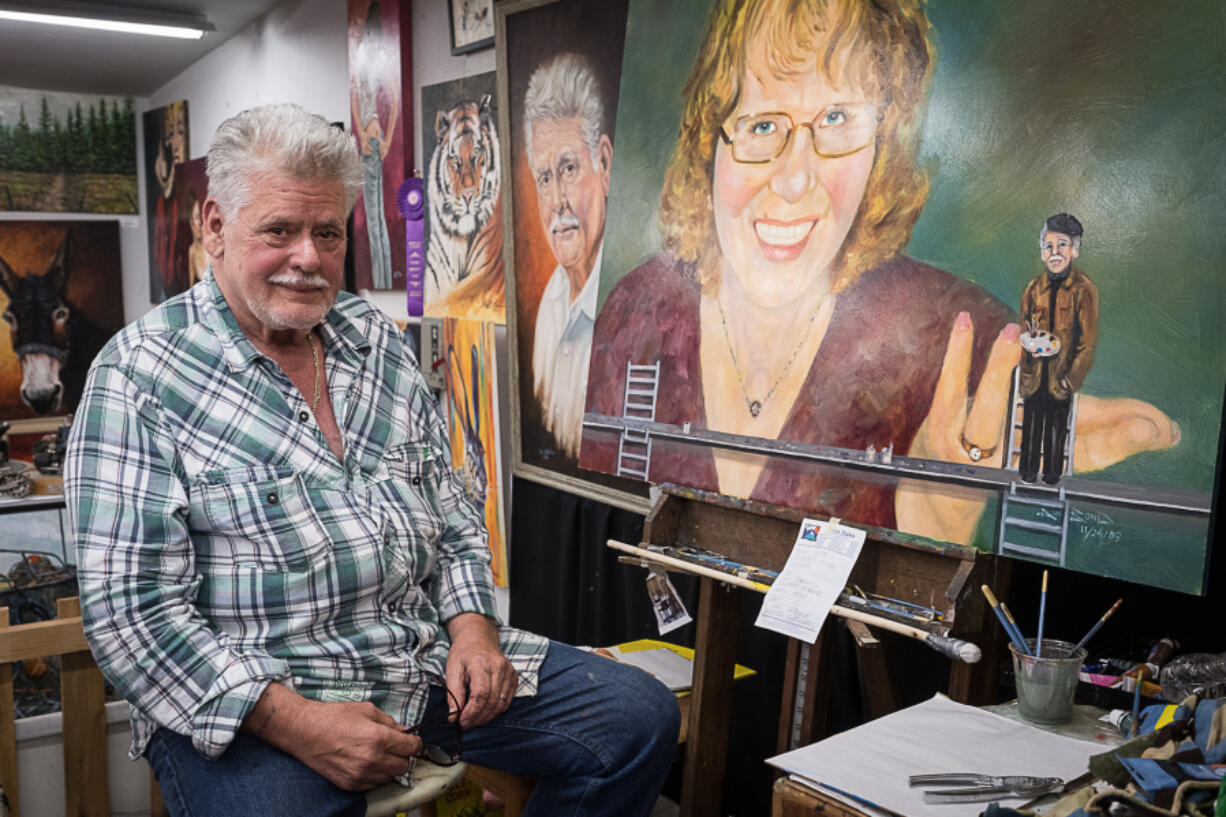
(1075, 324)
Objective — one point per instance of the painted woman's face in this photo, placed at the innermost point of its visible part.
(176, 134)
(781, 221)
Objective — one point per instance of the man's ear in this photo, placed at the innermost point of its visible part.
(211, 223)
(604, 159)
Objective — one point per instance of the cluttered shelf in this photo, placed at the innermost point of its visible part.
(30, 465)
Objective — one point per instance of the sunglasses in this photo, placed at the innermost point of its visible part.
(437, 754)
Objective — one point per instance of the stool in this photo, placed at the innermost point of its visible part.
(429, 781)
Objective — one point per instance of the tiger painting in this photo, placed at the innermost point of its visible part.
(464, 252)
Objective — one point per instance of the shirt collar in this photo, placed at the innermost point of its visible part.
(586, 302)
(339, 333)
(1065, 283)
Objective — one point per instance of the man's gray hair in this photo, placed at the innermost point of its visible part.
(565, 88)
(280, 138)
(1043, 237)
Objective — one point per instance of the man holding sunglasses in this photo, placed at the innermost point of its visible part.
(278, 567)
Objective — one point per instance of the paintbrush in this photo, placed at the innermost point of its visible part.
(1038, 641)
(1018, 643)
(1017, 631)
(1097, 624)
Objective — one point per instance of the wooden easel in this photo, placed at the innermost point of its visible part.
(913, 569)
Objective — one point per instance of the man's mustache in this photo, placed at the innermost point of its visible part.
(563, 221)
(290, 279)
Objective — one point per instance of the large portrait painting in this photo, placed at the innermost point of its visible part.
(67, 153)
(62, 295)
(471, 376)
(558, 120)
(382, 117)
(920, 267)
(167, 146)
(459, 137)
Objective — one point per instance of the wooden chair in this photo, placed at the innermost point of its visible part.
(82, 690)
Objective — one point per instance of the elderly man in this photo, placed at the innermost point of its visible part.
(1062, 302)
(278, 569)
(570, 156)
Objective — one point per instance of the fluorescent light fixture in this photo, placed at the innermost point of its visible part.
(110, 18)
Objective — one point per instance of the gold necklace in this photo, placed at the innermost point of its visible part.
(318, 378)
(755, 406)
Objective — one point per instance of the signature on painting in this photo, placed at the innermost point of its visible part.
(1090, 526)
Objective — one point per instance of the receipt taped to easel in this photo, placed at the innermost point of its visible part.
(815, 574)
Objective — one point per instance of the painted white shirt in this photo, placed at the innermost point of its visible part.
(560, 355)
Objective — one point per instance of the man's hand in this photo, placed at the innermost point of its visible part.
(356, 746)
(945, 512)
(478, 674)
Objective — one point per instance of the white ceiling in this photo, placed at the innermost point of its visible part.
(56, 58)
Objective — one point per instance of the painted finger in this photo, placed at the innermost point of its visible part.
(990, 412)
(949, 400)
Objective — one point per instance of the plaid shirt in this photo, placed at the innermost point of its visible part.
(222, 546)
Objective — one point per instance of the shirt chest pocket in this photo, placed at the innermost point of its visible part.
(413, 476)
(257, 517)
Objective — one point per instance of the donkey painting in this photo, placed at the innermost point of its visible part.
(53, 344)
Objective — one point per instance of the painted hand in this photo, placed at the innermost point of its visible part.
(955, 422)
(1110, 429)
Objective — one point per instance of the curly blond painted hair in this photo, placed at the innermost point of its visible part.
(876, 44)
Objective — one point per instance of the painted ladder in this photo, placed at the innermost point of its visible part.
(634, 447)
(1033, 509)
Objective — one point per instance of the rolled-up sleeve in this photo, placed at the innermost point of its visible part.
(128, 505)
(463, 581)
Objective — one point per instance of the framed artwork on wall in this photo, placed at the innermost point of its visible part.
(166, 147)
(558, 105)
(61, 294)
(837, 260)
(472, 425)
(464, 276)
(382, 121)
(67, 153)
(472, 25)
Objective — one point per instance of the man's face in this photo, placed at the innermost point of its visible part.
(571, 190)
(280, 260)
(1058, 252)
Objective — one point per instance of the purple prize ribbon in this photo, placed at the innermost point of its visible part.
(411, 201)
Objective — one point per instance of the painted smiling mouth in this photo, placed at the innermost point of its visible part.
(783, 235)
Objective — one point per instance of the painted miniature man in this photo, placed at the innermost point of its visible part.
(1063, 303)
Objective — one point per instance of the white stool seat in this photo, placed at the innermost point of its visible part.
(429, 781)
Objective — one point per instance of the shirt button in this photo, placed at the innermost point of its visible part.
(303, 415)
(416, 481)
(272, 499)
(387, 538)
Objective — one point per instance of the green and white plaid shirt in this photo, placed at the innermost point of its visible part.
(221, 546)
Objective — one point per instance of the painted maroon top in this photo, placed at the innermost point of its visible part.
(871, 382)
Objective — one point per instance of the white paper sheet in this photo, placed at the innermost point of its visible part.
(675, 671)
(810, 583)
(875, 760)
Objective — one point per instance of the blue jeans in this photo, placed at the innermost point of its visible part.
(601, 736)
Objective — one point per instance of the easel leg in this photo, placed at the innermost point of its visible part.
(976, 684)
(706, 748)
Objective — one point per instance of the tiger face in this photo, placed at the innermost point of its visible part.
(465, 176)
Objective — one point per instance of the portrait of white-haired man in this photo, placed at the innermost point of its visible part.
(570, 155)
